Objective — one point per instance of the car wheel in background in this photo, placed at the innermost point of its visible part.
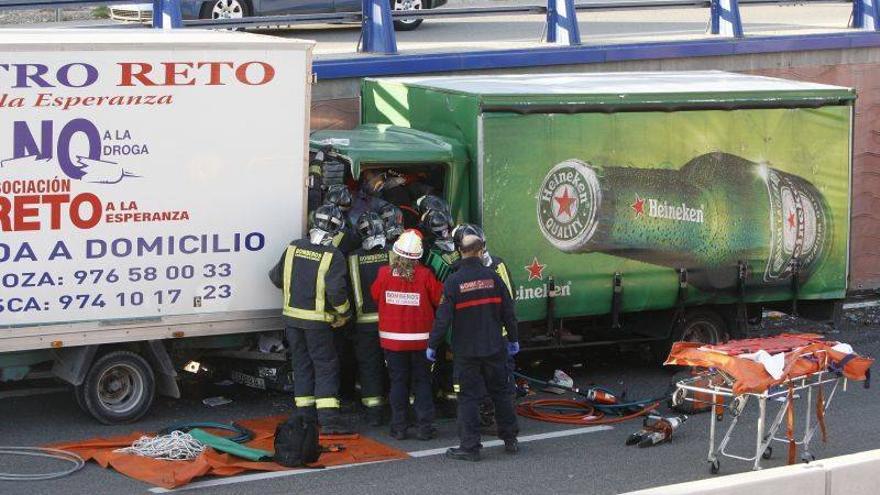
(225, 9)
(406, 24)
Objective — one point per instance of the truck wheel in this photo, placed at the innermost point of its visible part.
(119, 388)
(700, 325)
(406, 24)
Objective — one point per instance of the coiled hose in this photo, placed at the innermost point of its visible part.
(581, 412)
(61, 455)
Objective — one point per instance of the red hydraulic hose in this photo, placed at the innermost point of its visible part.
(582, 413)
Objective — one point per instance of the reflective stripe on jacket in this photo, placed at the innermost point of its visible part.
(313, 281)
(363, 268)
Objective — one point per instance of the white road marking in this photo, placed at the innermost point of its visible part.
(525, 439)
(417, 454)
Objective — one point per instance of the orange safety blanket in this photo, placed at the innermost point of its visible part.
(751, 377)
(172, 474)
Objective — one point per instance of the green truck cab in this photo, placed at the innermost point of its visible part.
(640, 207)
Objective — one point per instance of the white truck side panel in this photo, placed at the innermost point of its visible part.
(156, 179)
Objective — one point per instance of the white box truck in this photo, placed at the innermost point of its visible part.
(148, 181)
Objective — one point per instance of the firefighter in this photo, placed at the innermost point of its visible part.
(363, 267)
(441, 258)
(392, 219)
(437, 225)
(429, 202)
(478, 305)
(408, 295)
(368, 196)
(312, 275)
(487, 412)
(346, 238)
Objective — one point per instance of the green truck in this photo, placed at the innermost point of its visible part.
(630, 207)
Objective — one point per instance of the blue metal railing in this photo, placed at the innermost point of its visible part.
(377, 32)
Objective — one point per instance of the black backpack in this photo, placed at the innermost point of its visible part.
(296, 442)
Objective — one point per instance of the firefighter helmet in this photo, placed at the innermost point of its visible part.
(338, 195)
(329, 218)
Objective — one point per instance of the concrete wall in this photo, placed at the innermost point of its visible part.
(335, 106)
(854, 474)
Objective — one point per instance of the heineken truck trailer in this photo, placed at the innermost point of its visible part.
(631, 207)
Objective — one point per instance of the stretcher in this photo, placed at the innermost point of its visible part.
(729, 378)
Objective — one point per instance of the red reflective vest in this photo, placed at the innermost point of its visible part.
(406, 309)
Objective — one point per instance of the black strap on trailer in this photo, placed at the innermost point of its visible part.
(742, 314)
(616, 300)
(681, 297)
(795, 285)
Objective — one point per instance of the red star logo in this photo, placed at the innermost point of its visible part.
(565, 201)
(535, 270)
(791, 220)
(638, 206)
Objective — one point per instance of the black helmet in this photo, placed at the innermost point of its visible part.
(467, 229)
(438, 223)
(338, 195)
(370, 224)
(431, 203)
(392, 218)
(329, 218)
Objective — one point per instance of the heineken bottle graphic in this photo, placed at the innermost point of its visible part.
(717, 210)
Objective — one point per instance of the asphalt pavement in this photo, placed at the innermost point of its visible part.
(553, 459)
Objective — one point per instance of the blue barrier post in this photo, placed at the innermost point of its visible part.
(725, 18)
(866, 15)
(562, 23)
(377, 27)
(166, 14)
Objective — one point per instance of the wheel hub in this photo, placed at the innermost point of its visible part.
(120, 388)
(227, 9)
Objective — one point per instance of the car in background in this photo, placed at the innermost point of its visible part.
(236, 9)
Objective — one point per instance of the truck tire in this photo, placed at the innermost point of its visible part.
(119, 388)
(700, 325)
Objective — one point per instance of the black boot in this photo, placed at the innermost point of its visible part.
(460, 454)
(426, 432)
(374, 416)
(511, 446)
(332, 424)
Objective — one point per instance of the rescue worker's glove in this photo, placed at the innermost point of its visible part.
(431, 354)
(513, 348)
(339, 321)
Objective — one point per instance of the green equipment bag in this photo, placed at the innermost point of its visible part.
(230, 447)
(296, 442)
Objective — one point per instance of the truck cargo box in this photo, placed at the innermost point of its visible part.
(731, 182)
(148, 182)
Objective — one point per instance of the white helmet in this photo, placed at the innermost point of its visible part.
(409, 245)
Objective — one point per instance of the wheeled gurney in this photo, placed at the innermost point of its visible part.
(730, 376)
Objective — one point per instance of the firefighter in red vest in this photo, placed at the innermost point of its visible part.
(407, 294)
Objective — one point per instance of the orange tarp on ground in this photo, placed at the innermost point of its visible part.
(751, 377)
(172, 474)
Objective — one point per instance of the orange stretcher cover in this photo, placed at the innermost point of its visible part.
(172, 474)
(751, 377)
